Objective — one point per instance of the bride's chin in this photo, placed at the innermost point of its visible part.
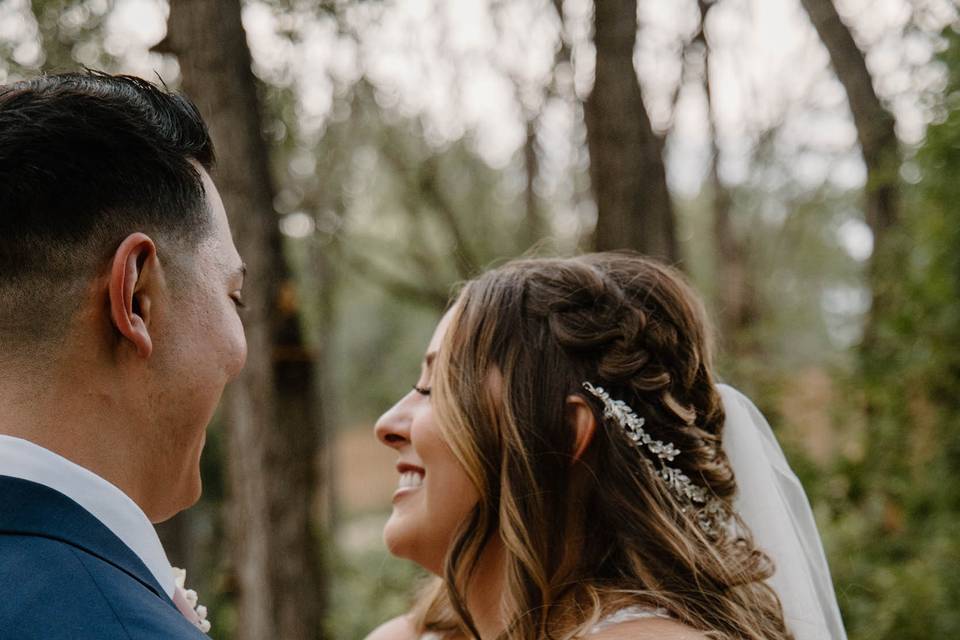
(395, 537)
(401, 542)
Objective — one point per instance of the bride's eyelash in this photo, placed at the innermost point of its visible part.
(424, 391)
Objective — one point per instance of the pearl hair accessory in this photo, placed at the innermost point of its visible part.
(710, 510)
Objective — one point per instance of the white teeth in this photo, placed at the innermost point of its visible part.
(410, 480)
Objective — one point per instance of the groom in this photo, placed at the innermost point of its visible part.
(119, 286)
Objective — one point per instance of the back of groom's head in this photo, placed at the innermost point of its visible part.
(85, 160)
(120, 284)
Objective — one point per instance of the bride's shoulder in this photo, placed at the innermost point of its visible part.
(649, 629)
(400, 628)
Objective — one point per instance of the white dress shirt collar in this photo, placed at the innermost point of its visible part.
(27, 461)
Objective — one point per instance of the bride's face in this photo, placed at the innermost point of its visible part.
(434, 494)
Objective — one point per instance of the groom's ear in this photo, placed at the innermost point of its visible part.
(136, 280)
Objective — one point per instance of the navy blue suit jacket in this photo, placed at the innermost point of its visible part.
(65, 576)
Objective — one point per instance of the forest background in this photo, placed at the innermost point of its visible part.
(797, 158)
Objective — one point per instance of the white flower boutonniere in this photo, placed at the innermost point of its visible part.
(189, 607)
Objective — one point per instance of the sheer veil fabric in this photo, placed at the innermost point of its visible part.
(772, 503)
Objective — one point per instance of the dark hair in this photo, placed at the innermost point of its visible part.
(85, 160)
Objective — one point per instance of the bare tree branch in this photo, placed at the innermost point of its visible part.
(425, 186)
(735, 295)
(425, 295)
(875, 124)
(878, 143)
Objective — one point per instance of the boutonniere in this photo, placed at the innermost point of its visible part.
(186, 601)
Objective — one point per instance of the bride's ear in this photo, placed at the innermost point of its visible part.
(581, 419)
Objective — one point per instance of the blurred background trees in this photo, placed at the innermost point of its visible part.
(272, 412)
(797, 158)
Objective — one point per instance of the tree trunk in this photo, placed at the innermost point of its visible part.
(270, 412)
(634, 210)
(876, 134)
(734, 293)
(534, 227)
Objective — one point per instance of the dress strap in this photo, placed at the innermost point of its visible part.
(628, 614)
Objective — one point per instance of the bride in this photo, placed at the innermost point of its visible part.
(570, 468)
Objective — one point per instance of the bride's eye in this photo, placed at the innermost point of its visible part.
(424, 391)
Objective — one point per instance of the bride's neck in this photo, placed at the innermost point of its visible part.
(484, 595)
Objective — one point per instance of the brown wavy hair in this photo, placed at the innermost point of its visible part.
(584, 538)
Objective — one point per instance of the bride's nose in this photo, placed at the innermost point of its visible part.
(393, 427)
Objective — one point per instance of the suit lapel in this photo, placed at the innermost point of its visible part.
(28, 508)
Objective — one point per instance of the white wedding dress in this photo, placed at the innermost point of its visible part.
(628, 614)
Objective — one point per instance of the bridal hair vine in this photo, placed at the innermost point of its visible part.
(710, 510)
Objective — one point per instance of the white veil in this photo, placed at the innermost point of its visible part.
(772, 503)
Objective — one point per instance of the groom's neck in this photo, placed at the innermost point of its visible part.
(71, 415)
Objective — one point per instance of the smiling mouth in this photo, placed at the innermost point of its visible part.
(410, 480)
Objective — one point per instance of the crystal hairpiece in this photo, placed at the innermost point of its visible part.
(710, 509)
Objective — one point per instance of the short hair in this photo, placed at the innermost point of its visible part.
(85, 160)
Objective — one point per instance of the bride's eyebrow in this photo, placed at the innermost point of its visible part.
(429, 358)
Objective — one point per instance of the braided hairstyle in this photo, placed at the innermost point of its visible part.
(587, 536)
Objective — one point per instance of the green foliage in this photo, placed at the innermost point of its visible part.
(377, 362)
(369, 587)
(806, 288)
(71, 33)
(895, 543)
